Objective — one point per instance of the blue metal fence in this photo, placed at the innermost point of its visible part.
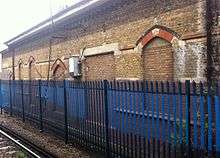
(123, 118)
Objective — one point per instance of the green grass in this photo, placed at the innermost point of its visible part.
(21, 154)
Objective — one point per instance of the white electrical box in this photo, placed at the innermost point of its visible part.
(74, 66)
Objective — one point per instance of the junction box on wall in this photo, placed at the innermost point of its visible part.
(75, 66)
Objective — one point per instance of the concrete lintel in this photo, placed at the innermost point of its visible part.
(127, 78)
(106, 48)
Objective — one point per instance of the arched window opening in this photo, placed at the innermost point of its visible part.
(30, 73)
(58, 70)
(158, 60)
(19, 71)
(59, 73)
(10, 75)
(157, 50)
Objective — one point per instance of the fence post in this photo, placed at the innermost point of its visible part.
(188, 128)
(10, 97)
(106, 118)
(40, 102)
(65, 112)
(22, 101)
(1, 94)
(217, 120)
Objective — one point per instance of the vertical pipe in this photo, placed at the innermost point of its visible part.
(65, 111)
(106, 118)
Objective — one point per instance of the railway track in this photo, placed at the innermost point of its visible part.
(7, 149)
(13, 145)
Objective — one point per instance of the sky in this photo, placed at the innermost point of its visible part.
(16, 16)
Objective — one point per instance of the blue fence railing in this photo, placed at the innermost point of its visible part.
(123, 118)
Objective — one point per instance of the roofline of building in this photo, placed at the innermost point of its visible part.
(64, 15)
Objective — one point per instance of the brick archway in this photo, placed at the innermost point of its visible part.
(31, 60)
(20, 65)
(157, 31)
(156, 46)
(58, 70)
(10, 75)
(31, 65)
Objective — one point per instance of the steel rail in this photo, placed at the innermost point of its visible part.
(25, 144)
(19, 144)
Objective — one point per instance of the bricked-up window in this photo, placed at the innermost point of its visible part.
(19, 71)
(30, 73)
(59, 73)
(158, 60)
(10, 75)
(100, 67)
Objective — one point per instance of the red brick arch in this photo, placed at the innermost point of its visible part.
(31, 60)
(31, 68)
(10, 75)
(157, 31)
(58, 62)
(20, 62)
(58, 69)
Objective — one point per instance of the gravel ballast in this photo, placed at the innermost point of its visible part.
(44, 139)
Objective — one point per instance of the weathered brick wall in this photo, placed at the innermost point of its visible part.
(122, 22)
(158, 61)
(129, 65)
(99, 67)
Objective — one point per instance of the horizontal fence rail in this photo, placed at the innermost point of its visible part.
(134, 119)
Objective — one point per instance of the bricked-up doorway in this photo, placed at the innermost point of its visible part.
(100, 67)
(158, 60)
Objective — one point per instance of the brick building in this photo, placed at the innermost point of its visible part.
(117, 39)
